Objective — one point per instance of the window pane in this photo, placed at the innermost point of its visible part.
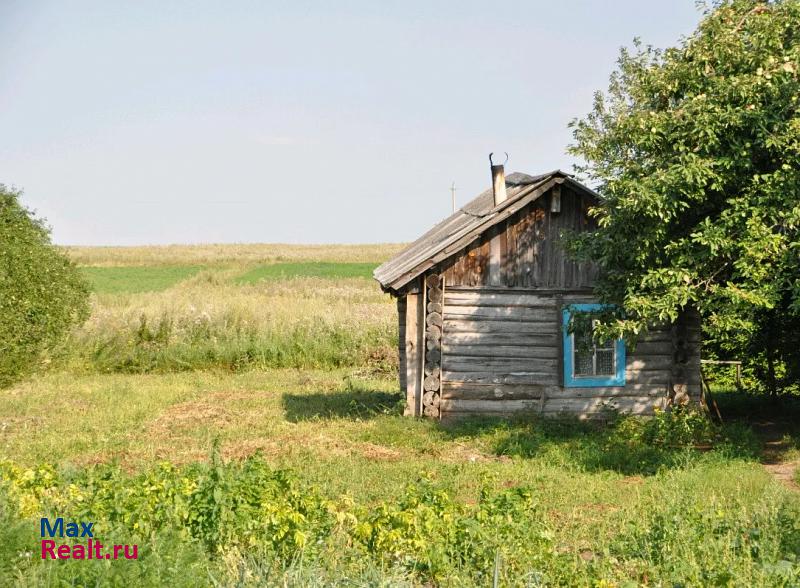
(583, 363)
(605, 345)
(583, 340)
(605, 362)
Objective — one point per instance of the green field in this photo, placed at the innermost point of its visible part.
(249, 433)
(115, 280)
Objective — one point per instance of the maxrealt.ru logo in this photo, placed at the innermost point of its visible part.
(92, 549)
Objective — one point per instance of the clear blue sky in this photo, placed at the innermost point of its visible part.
(301, 122)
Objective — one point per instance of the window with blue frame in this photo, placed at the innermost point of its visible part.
(587, 362)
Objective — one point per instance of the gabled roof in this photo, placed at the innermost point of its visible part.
(465, 225)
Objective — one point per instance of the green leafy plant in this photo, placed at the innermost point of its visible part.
(696, 151)
(42, 295)
(683, 426)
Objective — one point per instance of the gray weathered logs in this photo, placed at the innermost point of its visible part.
(500, 353)
(432, 383)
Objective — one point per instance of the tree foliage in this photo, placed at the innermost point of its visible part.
(696, 151)
(41, 292)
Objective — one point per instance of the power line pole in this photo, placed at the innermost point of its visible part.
(453, 194)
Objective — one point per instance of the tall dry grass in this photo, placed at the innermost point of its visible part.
(210, 321)
(217, 254)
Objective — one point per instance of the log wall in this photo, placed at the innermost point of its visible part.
(501, 348)
(480, 333)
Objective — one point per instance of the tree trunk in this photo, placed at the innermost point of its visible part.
(770, 345)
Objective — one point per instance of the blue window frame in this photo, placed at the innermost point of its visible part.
(591, 364)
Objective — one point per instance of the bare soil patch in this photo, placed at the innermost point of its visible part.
(776, 440)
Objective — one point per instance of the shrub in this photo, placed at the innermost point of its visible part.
(236, 510)
(681, 427)
(42, 294)
(246, 524)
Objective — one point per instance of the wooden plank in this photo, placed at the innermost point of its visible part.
(628, 404)
(501, 351)
(452, 416)
(422, 302)
(657, 377)
(650, 362)
(413, 351)
(660, 336)
(517, 339)
(650, 348)
(483, 406)
(571, 294)
(455, 363)
(518, 313)
(401, 319)
(476, 391)
(497, 251)
(572, 406)
(636, 390)
(465, 325)
(529, 377)
(483, 391)
(495, 298)
(559, 344)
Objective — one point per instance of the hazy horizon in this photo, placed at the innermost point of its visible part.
(250, 122)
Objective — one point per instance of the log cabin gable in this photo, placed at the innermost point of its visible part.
(525, 251)
(522, 228)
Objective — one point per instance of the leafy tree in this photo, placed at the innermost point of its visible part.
(41, 292)
(696, 150)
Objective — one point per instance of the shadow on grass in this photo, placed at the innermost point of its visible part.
(595, 446)
(776, 420)
(350, 404)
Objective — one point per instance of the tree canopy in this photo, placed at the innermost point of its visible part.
(41, 292)
(696, 151)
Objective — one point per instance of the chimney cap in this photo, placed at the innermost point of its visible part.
(493, 164)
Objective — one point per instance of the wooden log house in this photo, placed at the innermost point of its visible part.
(484, 299)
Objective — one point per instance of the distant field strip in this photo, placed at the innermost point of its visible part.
(215, 254)
(129, 280)
(280, 271)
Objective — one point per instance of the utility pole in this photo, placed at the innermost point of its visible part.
(453, 194)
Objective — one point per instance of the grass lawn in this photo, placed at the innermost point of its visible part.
(341, 433)
(116, 280)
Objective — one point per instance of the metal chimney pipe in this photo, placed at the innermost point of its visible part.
(498, 180)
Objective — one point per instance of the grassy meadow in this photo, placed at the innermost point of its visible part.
(234, 411)
(233, 308)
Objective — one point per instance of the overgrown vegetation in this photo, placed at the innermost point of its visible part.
(41, 293)
(318, 480)
(246, 523)
(211, 321)
(696, 151)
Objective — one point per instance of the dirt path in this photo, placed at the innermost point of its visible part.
(773, 456)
